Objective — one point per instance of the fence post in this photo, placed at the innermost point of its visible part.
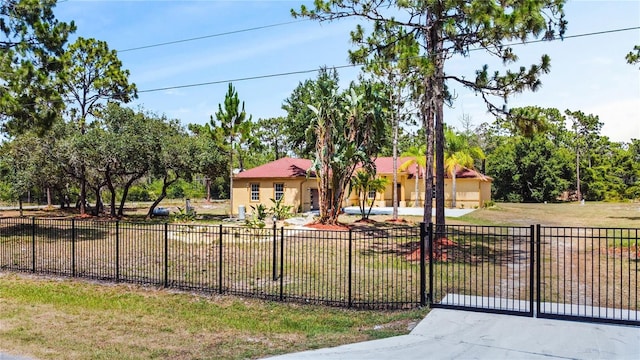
(33, 244)
(73, 247)
(431, 253)
(166, 254)
(274, 264)
(532, 266)
(538, 269)
(350, 266)
(220, 261)
(281, 263)
(117, 251)
(423, 299)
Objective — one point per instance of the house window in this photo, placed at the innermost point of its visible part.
(371, 195)
(278, 191)
(255, 192)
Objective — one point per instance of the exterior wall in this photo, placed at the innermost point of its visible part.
(471, 193)
(382, 199)
(293, 188)
(409, 186)
(485, 193)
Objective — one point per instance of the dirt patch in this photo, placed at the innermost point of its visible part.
(338, 227)
(365, 221)
(397, 221)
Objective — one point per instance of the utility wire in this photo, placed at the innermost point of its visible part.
(211, 36)
(257, 77)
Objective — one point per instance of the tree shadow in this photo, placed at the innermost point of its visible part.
(60, 232)
(452, 246)
(625, 217)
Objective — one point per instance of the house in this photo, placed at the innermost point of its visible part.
(284, 177)
(289, 177)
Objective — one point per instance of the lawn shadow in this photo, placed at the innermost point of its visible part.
(452, 246)
(632, 218)
(52, 233)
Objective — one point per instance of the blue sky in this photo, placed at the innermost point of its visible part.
(588, 73)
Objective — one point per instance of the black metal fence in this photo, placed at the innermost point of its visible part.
(558, 272)
(357, 268)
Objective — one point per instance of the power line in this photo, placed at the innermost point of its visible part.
(211, 36)
(257, 77)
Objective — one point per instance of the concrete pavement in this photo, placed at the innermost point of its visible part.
(455, 334)
(4, 356)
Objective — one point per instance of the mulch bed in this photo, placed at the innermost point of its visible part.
(338, 227)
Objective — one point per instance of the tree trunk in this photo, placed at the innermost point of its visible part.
(20, 206)
(83, 191)
(364, 196)
(112, 200)
(427, 120)
(578, 193)
(99, 205)
(125, 190)
(163, 194)
(208, 186)
(453, 188)
(49, 203)
(395, 120)
(417, 189)
(231, 180)
(436, 57)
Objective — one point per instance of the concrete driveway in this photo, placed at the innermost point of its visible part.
(407, 211)
(455, 334)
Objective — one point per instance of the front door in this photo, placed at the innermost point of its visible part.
(315, 203)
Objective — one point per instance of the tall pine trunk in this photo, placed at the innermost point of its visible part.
(230, 179)
(453, 188)
(394, 191)
(417, 189)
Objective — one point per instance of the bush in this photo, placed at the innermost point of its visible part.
(279, 210)
(258, 215)
(184, 215)
(139, 193)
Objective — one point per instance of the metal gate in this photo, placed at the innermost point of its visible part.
(583, 274)
(588, 274)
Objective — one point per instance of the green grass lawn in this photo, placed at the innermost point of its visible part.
(591, 214)
(55, 319)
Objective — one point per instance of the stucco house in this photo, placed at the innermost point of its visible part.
(288, 177)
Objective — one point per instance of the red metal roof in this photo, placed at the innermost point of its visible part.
(292, 168)
(384, 165)
(282, 168)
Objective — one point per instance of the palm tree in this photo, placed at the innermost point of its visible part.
(458, 154)
(362, 182)
(418, 158)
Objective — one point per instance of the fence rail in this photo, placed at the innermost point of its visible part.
(559, 272)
